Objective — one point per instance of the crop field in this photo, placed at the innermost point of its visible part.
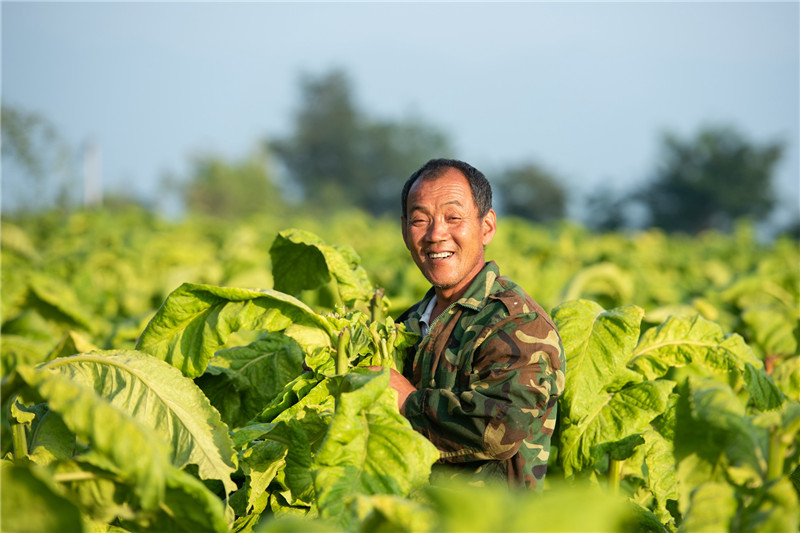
(202, 375)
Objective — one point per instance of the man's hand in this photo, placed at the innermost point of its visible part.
(398, 382)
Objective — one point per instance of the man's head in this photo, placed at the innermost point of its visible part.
(444, 228)
(478, 184)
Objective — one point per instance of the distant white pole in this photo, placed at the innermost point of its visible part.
(92, 174)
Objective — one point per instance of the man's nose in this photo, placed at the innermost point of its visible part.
(437, 230)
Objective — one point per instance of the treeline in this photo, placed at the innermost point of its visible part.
(338, 156)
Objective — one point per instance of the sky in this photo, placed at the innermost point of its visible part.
(584, 89)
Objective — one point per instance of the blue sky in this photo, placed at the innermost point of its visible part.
(584, 89)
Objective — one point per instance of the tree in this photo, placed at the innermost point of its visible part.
(607, 209)
(340, 156)
(528, 191)
(710, 181)
(37, 162)
(229, 190)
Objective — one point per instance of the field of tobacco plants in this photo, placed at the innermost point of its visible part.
(207, 376)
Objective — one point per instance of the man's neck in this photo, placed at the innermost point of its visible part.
(446, 297)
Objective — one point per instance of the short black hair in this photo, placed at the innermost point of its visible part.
(478, 184)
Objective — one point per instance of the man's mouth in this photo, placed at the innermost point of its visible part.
(440, 255)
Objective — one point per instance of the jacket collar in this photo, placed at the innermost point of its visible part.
(473, 298)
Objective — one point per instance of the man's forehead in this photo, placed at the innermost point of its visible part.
(455, 202)
(450, 183)
(448, 194)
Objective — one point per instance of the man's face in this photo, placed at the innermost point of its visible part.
(444, 232)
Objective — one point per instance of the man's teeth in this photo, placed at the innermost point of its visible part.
(440, 255)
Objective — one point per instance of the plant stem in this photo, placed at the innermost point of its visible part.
(780, 439)
(776, 452)
(342, 359)
(376, 305)
(20, 440)
(385, 353)
(614, 473)
(67, 477)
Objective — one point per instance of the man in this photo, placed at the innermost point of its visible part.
(483, 380)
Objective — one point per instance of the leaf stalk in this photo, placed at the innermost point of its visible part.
(776, 453)
(376, 305)
(614, 474)
(19, 440)
(342, 358)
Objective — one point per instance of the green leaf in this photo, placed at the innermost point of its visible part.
(160, 397)
(720, 431)
(598, 344)
(225, 389)
(461, 507)
(251, 376)
(605, 281)
(241, 436)
(302, 261)
(285, 450)
(298, 261)
(190, 506)
(622, 413)
(787, 377)
(20, 350)
(260, 463)
(619, 450)
(679, 341)
(136, 450)
(775, 508)
(763, 391)
(715, 403)
(14, 239)
(313, 339)
(772, 328)
(383, 512)
(295, 524)
(72, 343)
(661, 480)
(783, 425)
(97, 490)
(369, 448)
(712, 508)
(51, 440)
(57, 302)
(351, 279)
(297, 472)
(293, 398)
(196, 320)
(30, 502)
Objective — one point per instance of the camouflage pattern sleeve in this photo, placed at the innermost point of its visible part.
(494, 384)
(515, 371)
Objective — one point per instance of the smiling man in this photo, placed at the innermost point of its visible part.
(483, 381)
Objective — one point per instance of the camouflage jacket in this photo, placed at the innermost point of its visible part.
(489, 373)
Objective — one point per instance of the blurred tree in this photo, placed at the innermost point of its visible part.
(339, 156)
(791, 230)
(607, 210)
(229, 189)
(530, 192)
(37, 162)
(710, 181)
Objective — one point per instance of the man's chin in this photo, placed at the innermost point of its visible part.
(441, 284)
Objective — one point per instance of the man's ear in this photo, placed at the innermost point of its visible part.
(404, 229)
(489, 227)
